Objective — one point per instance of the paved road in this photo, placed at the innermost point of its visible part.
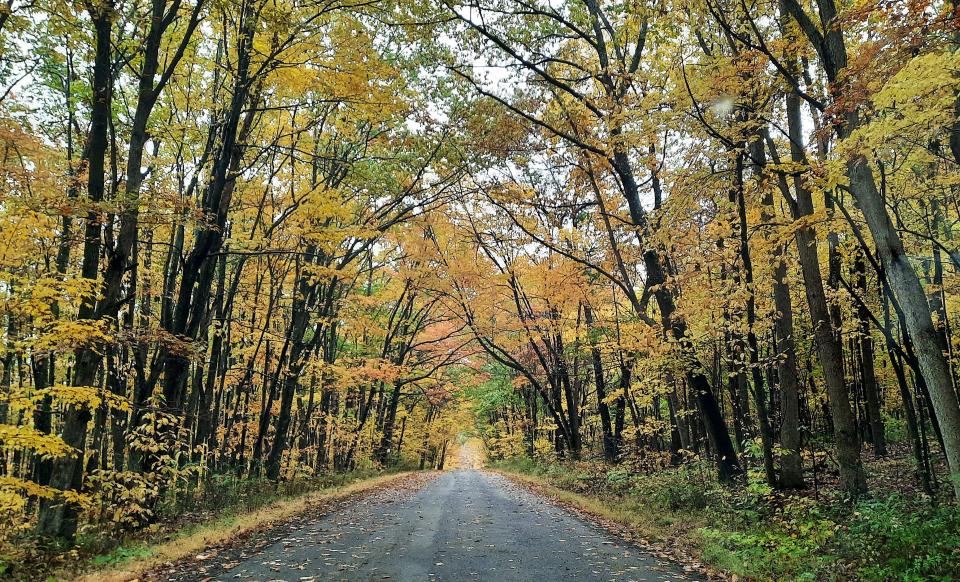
(464, 525)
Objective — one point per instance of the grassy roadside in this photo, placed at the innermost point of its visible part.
(753, 533)
(130, 560)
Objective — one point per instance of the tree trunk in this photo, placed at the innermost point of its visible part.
(610, 452)
(852, 476)
(753, 349)
(871, 388)
(58, 518)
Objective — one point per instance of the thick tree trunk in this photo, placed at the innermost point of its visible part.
(791, 461)
(304, 299)
(274, 458)
(574, 438)
(787, 367)
(852, 475)
(385, 449)
(193, 296)
(58, 518)
(206, 417)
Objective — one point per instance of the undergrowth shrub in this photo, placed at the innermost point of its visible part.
(790, 543)
(893, 538)
(619, 481)
(684, 489)
(522, 465)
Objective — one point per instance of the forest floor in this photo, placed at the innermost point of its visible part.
(751, 532)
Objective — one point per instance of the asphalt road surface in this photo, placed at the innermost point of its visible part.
(464, 525)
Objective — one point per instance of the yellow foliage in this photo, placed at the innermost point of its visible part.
(22, 437)
(84, 396)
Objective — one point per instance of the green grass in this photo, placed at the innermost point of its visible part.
(120, 555)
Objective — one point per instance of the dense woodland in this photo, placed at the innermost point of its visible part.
(269, 240)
